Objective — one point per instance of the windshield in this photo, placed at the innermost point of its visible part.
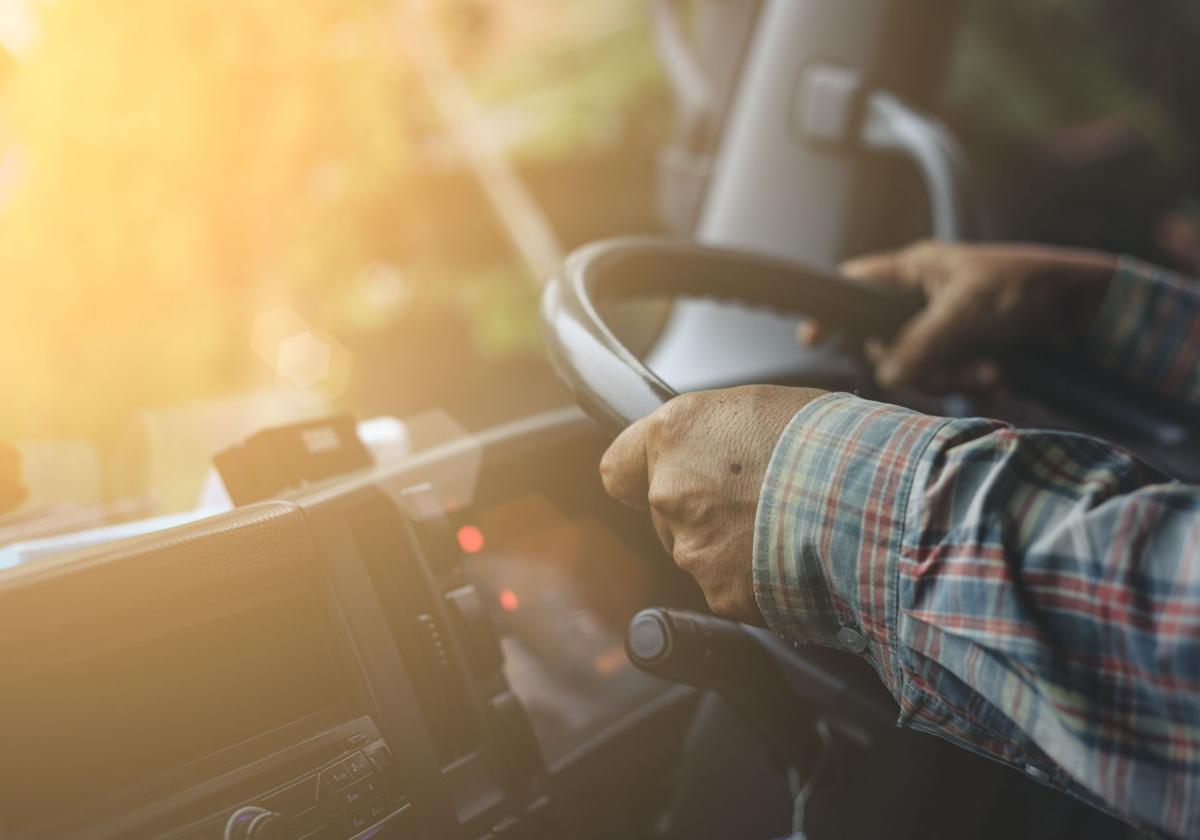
(216, 216)
(1081, 122)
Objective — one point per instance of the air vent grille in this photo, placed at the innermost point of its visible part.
(417, 625)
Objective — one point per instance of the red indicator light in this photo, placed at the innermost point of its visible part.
(470, 539)
(610, 661)
(509, 602)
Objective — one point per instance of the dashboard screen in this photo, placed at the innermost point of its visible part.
(561, 589)
(79, 728)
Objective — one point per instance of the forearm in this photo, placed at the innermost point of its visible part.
(1019, 592)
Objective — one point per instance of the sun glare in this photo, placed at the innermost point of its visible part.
(168, 168)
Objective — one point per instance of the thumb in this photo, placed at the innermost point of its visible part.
(625, 468)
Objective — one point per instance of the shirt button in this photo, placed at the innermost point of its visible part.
(851, 640)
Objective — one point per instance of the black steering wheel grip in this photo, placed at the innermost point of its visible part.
(612, 384)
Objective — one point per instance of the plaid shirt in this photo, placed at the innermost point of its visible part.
(1032, 596)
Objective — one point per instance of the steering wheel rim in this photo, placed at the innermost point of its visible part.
(611, 383)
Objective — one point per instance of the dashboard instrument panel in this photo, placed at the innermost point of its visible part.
(329, 666)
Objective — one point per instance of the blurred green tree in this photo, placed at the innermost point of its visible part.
(171, 168)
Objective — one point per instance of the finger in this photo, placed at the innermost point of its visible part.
(809, 332)
(624, 467)
(977, 375)
(875, 350)
(925, 345)
(906, 269)
(890, 270)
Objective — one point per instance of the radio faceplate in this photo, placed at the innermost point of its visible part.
(349, 786)
(182, 676)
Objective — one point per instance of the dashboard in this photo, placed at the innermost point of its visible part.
(432, 649)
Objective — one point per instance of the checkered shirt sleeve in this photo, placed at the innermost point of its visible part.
(1032, 596)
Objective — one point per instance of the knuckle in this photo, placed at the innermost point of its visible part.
(721, 602)
(611, 471)
(607, 466)
(683, 505)
(666, 492)
(661, 496)
(677, 411)
(920, 251)
(929, 254)
(684, 561)
(688, 558)
(668, 411)
(612, 484)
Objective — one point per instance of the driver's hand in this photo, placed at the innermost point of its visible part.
(980, 299)
(698, 464)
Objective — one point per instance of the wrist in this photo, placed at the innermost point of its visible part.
(1074, 283)
(830, 521)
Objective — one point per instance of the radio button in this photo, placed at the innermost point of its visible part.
(371, 788)
(353, 797)
(359, 820)
(358, 794)
(337, 777)
(358, 766)
(368, 815)
(398, 824)
(382, 759)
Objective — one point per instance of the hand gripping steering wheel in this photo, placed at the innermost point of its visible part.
(612, 384)
(766, 678)
(757, 672)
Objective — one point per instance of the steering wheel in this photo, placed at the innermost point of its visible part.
(611, 383)
(780, 690)
(617, 389)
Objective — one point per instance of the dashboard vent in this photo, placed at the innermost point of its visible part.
(417, 623)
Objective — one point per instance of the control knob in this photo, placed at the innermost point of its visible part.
(254, 823)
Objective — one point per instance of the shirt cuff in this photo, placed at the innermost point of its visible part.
(1147, 331)
(830, 524)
